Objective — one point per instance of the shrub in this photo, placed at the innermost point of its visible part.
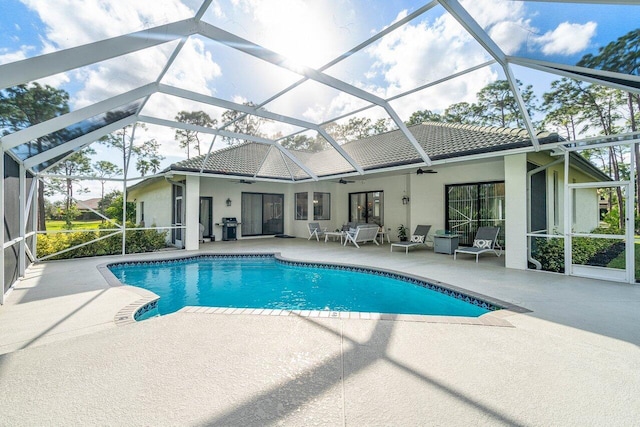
(136, 241)
(585, 250)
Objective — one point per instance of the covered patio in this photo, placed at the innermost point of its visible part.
(570, 360)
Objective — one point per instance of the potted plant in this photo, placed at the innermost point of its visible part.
(402, 233)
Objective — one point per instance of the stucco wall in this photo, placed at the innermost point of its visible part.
(156, 196)
(222, 189)
(587, 202)
(157, 203)
(427, 191)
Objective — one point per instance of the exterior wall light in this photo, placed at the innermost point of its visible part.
(228, 201)
(405, 200)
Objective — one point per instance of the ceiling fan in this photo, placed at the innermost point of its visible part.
(344, 181)
(421, 171)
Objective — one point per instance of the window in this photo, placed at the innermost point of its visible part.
(262, 214)
(469, 206)
(367, 207)
(302, 206)
(321, 206)
(142, 213)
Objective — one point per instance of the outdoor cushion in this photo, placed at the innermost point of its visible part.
(416, 238)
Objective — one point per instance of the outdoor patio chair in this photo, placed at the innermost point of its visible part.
(362, 234)
(418, 238)
(486, 241)
(316, 231)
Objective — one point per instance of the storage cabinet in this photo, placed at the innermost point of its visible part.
(445, 244)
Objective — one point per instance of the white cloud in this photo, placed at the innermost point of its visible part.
(567, 38)
(409, 57)
(307, 32)
(194, 69)
(7, 55)
(67, 27)
(103, 19)
(511, 35)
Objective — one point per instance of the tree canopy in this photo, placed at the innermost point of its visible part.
(190, 138)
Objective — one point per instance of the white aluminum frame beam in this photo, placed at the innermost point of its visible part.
(463, 17)
(22, 222)
(78, 142)
(523, 110)
(224, 133)
(409, 92)
(206, 99)
(566, 71)
(2, 233)
(27, 70)
(60, 122)
(621, 2)
(257, 51)
(399, 23)
(359, 47)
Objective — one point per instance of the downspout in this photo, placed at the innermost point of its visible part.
(529, 175)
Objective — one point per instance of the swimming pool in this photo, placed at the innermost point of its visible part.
(265, 281)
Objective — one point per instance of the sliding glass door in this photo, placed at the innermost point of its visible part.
(469, 206)
(262, 214)
(367, 207)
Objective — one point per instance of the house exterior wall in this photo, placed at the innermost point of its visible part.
(222, 189)
(515, 169)
(586, 201)
(426, 193)
(157, 204)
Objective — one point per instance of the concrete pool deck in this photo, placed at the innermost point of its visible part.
(573, 360)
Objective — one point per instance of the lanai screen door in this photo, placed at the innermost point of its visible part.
(614, 258)
(469, 206)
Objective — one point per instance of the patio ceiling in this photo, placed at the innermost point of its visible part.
(281, 77)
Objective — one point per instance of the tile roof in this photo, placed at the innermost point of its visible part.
(439, 140)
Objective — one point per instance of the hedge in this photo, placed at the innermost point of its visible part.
(586, 251)
(137, 241)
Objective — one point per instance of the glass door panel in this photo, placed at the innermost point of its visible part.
(367, 207)
(357, 207)
(251, 218)
(272, 218)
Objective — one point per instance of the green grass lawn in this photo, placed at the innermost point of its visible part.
(77, 225)
(618, 262)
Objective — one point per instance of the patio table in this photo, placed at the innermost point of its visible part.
(381, 234)
(334, 234)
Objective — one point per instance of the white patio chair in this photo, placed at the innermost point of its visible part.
(316, 231)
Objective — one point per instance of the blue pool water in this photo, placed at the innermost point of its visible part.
(269, 283)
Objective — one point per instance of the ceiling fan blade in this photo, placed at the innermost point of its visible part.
(421, 171)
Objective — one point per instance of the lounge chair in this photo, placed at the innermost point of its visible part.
(362, 234)
(418, 238)
(486, 241)
(316, 231)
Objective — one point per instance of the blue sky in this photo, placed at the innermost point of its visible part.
(311, 32)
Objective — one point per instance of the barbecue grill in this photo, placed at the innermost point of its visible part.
(229, 228)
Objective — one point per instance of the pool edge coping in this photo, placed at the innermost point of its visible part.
(149, 300)
(487, 319)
